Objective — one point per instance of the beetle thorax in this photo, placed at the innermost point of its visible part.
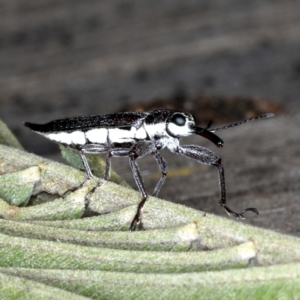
(157, 133)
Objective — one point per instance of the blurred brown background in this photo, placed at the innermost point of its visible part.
(65, 58)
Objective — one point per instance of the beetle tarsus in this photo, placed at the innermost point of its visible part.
(66, 193)
(137, 220)
(238, 215)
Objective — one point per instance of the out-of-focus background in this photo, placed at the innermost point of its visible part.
(221, 60)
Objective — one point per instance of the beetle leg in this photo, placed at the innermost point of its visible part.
(89, 149)
(138, 150)
(111, 153)
(88, 172)
(86, 166)
(163, 166)
(93, 149)
(102, 181)
(205, 156)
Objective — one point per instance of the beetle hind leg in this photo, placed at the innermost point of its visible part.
(101, 181)
(92, 149)
(87, 171)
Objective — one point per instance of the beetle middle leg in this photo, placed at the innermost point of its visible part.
(139, 150)
(163, 166)
(205, 156)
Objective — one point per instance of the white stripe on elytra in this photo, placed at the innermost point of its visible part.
(75, 137)
(117, 135)
(97, 136)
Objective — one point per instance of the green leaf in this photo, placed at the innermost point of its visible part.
(7, 138)
(53, 251)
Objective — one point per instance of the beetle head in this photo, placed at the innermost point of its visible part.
(180, 124)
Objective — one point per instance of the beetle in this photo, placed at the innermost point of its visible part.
(136, 134)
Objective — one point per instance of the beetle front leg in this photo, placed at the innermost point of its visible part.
(222, 202)
(205, 156)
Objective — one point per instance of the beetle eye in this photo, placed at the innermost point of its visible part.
(179, 120)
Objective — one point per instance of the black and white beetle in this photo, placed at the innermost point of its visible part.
(136, 134)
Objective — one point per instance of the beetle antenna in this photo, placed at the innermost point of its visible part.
(268, 115)
(209, 124)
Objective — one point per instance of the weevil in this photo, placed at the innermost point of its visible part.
(136, 134)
